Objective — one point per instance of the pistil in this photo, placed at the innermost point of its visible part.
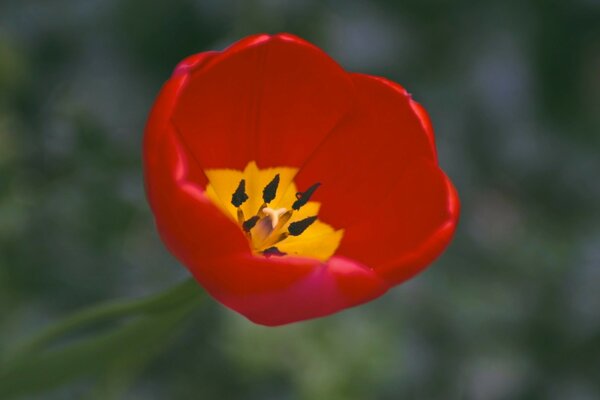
(274, 214)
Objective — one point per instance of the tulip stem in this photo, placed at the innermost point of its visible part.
(172, 298)
(95, 342)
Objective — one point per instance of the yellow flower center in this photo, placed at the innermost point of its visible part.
(277, 219)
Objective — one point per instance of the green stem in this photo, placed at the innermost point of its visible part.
(182, 293)
(115, 354)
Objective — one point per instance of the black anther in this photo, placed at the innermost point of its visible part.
(296, 228)
(273, 251)
(304, 197)
(270, 191)
(249, 224)
(239, 196)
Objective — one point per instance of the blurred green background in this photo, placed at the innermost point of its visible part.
(511, 310)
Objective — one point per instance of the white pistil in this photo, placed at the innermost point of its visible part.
(274, 214)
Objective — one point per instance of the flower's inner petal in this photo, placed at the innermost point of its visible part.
(361, 158)
(268, 93)
(418, 222)
(265, 204)
(319, 238)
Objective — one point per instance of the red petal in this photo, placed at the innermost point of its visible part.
(159, 120)
(361, 159)
(409, 228)
(194, 62)
(190, 225)
(278, 291)
(426, 123)
(418, 110)
(269, 99)
(188, 222)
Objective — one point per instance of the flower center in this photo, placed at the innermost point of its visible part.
(277, 219)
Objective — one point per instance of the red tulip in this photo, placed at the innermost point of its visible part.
(290, 188)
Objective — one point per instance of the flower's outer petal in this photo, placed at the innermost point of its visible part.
(417, 108)
(409, 228)
(268, 291)
(426, 122)
(187, 221)
(269, 99)
(159, 121)
(362, 157)
(193, 62)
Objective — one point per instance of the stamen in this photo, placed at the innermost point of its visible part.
(249, 224)
(240, 216)
(274, 239)
(285, 217)
(304, 197)
(296, 228)
(260, 212)
(273, 251)
(274, 215)
(239, 196)
(270, 191)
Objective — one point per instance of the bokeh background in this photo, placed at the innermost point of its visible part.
(510, 311)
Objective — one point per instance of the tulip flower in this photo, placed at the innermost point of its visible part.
(290, 188)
